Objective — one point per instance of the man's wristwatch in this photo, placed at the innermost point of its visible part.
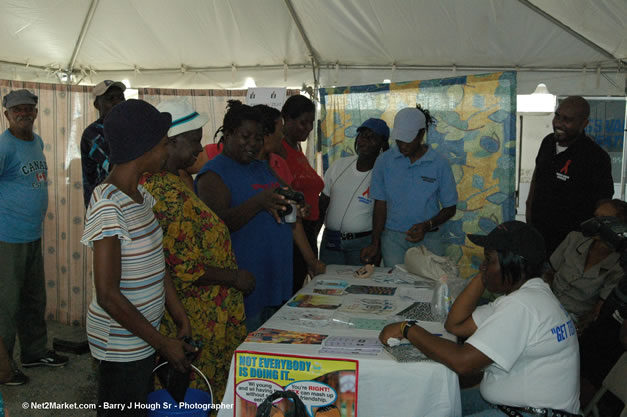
(406, 325)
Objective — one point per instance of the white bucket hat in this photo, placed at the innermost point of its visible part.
(184, 117)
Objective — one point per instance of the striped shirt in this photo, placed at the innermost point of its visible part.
(113, 213)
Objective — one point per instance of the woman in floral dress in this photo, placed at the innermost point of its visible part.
(197, 247)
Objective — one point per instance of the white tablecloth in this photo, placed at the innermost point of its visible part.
(386, 388)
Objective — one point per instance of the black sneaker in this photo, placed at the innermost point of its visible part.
(18, 378)
(49, 359)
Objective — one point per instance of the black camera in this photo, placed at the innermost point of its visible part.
(289, 194)
(611, 231)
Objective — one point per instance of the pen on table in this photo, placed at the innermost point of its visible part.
(391, 270)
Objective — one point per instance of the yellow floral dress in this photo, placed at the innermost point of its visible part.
(195, 237)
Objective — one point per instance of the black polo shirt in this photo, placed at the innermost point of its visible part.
(567, 187)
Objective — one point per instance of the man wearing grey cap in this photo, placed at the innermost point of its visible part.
(94, 148)
(23, 204)
(414, 192)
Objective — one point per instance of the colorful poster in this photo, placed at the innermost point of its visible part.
(321, 385)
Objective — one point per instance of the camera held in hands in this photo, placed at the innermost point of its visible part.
(289, 215)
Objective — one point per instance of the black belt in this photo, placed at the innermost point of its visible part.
(351, 236)
(546, 412)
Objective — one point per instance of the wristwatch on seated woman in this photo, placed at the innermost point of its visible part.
(405, 327)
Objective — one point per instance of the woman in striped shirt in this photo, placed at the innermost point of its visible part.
(132, 285)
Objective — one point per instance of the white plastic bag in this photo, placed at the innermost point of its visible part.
(422, 262)
(441, 301)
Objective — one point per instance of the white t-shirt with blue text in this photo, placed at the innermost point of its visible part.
(533, 343)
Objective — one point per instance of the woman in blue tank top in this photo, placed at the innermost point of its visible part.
(240, 189)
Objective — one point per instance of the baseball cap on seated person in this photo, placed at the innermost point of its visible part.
(17, 97)
(132, 128)
(518, 237)
(104, 86)
(407, 123)
(184, 117)
(378, 126)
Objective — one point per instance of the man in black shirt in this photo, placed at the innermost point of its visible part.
(572, 173)
(94, 148)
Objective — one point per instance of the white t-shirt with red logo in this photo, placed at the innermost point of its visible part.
(350, 209)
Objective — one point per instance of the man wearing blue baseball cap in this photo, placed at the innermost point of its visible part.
(414, 192)
(23, 204)
(346, 199)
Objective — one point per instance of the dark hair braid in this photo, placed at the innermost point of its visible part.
(429, 119)
(236, 114)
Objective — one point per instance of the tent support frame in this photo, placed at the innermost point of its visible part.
(81, 37)
(572, 32)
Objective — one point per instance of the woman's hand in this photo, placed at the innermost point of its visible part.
(316, 267)
(244, 281)
(273, 202)
(173, 350)
(391, 330)
(304, 211)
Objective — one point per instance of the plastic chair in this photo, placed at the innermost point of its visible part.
(616, 383)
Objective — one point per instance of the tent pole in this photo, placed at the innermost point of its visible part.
(81, 37)
(314, 56)
(577, 35)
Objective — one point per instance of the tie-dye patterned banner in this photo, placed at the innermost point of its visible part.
(476, 130)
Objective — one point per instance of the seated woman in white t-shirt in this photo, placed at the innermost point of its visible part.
(525, 342)
(346, 200)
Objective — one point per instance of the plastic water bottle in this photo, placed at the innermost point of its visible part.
(441, 300)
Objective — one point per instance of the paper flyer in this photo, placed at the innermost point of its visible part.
(265, 335)
(325, 302)
(317, 382)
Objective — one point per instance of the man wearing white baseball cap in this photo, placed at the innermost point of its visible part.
(94, 148)
(414, 192)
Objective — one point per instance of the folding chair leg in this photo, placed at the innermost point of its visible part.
(593, 404)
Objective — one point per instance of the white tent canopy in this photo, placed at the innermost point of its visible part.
(574, 46)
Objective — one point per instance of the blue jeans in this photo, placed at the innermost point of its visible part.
(394, 245)
(473, 405)
(347, 254)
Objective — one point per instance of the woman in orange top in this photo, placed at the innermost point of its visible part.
(298, 115)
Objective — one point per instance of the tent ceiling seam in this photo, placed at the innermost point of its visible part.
(569, 30)
(81, 36)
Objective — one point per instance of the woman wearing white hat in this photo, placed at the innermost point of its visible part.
(197, 246)
(414, 192)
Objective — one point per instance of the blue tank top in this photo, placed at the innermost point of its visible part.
(262, 246)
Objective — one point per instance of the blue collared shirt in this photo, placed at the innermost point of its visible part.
(414, 193)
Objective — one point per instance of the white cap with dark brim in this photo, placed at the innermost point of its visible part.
(104, 86)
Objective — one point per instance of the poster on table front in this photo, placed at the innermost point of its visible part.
(326, 386)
